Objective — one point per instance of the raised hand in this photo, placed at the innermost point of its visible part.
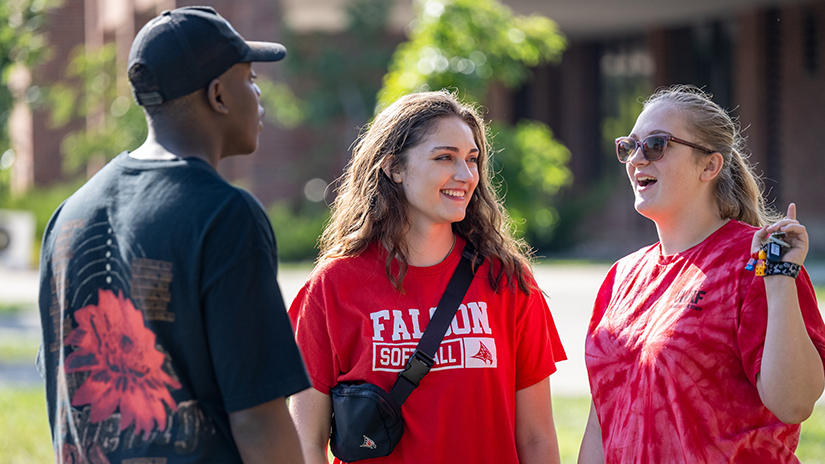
(795, 235)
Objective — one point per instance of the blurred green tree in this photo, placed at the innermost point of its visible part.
(22, 43)
(532, 168)
(466, 45)
(336, 77)
(338, 74)
(114, 122)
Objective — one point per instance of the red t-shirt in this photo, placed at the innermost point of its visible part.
(352, 325)
(673, 349)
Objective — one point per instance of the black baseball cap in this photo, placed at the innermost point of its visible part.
(182, 50)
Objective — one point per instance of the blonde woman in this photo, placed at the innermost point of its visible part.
(691, 357)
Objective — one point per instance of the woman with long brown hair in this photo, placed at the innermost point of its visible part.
(418, 188)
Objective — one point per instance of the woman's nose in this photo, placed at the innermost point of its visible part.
(637, 156)
(463, 172)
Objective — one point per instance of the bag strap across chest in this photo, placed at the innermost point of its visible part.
(422, 359)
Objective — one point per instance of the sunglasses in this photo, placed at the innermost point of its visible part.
(653, 147)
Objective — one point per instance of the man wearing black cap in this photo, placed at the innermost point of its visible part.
(165, 336)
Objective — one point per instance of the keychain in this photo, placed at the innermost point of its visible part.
(771, 252)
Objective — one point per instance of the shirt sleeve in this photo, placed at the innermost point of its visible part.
(313, 336)
(754, 322)
(251, 342)
(539, 345)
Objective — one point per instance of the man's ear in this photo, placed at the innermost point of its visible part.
(713, 166)
(215, 95)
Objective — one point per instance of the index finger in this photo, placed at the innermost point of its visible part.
(791, 211)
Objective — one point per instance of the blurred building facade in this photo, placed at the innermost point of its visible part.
(763, 59)
(92, 23)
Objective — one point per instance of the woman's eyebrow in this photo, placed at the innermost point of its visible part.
(449, 148)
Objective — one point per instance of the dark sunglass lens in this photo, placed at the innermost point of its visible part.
(624, 148)
(654, 147)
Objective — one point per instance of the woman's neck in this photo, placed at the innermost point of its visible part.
(687, 230)
(430, 246)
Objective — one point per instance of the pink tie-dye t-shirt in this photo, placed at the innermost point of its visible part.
(673, 349)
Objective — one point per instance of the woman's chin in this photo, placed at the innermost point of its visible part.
(645, 209)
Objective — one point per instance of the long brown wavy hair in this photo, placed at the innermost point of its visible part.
(371, 208)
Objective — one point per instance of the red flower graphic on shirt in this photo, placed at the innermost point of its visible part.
(113, 344)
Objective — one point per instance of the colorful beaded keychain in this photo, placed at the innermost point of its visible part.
(771, 252)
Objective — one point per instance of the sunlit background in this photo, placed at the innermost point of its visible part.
(558, 81)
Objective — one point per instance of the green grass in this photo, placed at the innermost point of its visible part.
(24, 430)
(18, 349)
(25, 438)
(11, 309)
(570, 415)
(812, 443)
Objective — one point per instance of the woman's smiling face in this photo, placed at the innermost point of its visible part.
(440, 174)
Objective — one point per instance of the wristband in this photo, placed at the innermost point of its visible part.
(782, 268)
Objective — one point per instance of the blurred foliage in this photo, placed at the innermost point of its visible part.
(283, 108)
(114, 122)
(22, 42)
(6, 160)
(297, 229)
(626, 107)
(466, 45)
(532, 167)
(335, 79)
(338, 75)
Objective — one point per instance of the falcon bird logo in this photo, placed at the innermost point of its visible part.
(484, 354)
(368, 443)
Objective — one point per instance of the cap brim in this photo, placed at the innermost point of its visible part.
(264, 51)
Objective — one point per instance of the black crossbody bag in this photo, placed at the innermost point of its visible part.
(366, 419)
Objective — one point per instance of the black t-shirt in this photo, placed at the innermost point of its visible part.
(161, 314)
